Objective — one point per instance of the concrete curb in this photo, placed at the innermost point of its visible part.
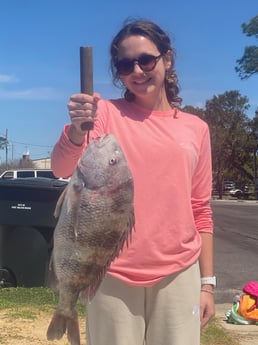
(240, 201)
(246, 334)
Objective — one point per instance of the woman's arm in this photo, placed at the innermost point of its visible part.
(207, 306)
(65, 155)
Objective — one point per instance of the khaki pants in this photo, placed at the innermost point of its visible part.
(164, 314)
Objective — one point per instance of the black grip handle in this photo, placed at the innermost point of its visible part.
(86, 75)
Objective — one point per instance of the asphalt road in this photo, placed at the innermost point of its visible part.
(235, 246)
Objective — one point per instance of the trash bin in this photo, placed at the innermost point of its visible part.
(27, 224)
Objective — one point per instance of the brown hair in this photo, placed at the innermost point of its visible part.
(155, 34)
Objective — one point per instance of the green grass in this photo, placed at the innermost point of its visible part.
(215, 334)
(41, 298)
(25, 302)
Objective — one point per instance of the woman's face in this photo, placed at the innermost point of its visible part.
(144, 85)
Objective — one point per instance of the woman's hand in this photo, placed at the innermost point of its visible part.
(82, 108)
(207, 307)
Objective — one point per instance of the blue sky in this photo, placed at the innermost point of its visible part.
(39, 57)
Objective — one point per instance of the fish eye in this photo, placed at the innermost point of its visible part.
(112, 161)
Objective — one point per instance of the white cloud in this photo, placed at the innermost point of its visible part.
(5, 78)
(7, 90)
(31, 94)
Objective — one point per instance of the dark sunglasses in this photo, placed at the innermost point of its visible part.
(146, 63)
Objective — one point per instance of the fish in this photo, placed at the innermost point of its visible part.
(95, 220)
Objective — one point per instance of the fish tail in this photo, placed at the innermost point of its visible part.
(60, 324)
(57, 327)
(73, 331)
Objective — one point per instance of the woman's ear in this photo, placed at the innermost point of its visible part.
(168, 59)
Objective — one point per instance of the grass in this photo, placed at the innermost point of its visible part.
(215, 334)
(25, 302)
(18, 297)
(41, 298)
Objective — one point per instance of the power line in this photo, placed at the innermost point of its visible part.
(8, 145)
(26, 144)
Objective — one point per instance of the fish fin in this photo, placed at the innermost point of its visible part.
(73, 204)
(131, 226)
(57, 327)
(60, 203)
(73, 331)
(75, 190)
(51, 280)
(60, 323)
(88, 293)
(126, 237)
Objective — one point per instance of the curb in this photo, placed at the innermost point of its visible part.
(246, 334)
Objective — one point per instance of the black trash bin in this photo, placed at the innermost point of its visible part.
(27, 224)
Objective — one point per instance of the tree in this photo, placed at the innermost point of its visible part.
(24, 163)
(254, 129)
(254, 122)
(247, 65)
(194, 110)
(230, 137)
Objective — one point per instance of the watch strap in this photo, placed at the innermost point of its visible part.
(209, 281)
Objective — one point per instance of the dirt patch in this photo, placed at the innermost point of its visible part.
(30, 329)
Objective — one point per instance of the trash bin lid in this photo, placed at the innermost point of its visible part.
(34, 183)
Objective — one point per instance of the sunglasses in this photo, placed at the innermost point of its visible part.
(146, 62)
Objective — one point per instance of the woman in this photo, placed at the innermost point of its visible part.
(152, 292)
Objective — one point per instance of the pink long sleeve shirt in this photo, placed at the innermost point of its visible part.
(169, 155)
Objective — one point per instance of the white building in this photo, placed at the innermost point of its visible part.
(43, 163)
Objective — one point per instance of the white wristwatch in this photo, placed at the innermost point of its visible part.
(209, 281)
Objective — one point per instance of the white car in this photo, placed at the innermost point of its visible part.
(24, 173)
(235, 192)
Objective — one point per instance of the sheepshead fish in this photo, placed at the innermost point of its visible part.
(96, 217)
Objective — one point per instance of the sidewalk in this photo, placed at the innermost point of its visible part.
(246, 334)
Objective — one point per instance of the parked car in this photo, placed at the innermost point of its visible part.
(23, 173)
(236, 193)
(228, 185)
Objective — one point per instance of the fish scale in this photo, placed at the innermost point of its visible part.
(96, 217)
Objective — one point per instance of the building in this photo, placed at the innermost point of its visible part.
(43, 163)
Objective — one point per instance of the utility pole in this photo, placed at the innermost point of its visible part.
(6, 147)
(4, 144)
(255, 173)
(255, 165)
